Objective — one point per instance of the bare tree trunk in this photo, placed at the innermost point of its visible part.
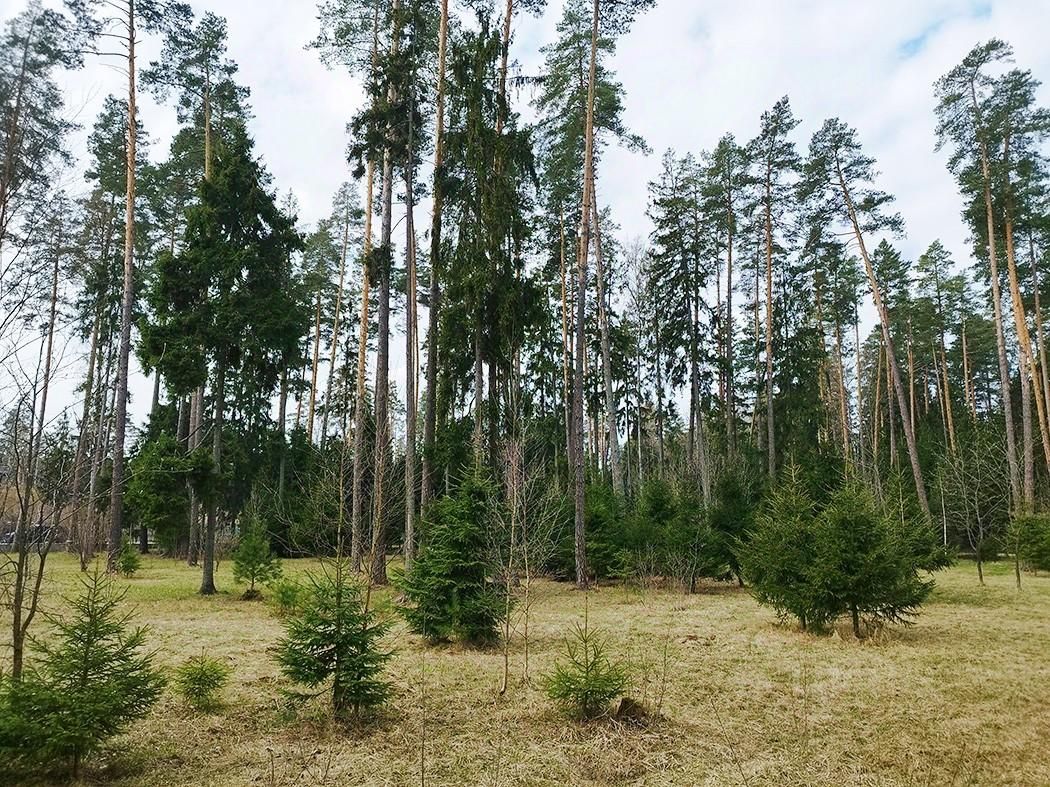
(771, 460)
(313, 367)
(336, 326)
(282, 417)
(361, 400)
(861, 452)
(382, 453)
(120, 415)
(566, 352)
(77, 537)
(997, 309)
(430, 419)
(1039, 323)
(582, 574)
(880, 305)
(1024, 341)
(411, 351)
(611, 406)
(211, 520)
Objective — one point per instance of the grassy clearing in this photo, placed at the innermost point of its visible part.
(961, 698)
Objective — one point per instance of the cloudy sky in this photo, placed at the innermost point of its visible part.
(692, 70)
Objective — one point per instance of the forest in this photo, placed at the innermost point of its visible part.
(463, 484)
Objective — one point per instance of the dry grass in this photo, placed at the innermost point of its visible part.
(961, 698)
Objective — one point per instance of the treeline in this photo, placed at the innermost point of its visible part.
(654, 389)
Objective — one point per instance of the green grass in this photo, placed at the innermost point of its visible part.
(962, 697)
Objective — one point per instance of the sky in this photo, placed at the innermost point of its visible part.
(692, 70)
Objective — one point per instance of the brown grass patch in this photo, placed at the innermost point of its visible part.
(963, 697)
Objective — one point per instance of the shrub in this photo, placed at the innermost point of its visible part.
(253, 561)
(865, 565)
(200, 680)
(128, 560)
(587, 681)
(335, 637)
(449, 587)
(86, 683)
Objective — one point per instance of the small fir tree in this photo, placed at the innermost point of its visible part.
(128, 560)
(778, 555)
(88, 682)
(254, 563)
(865, 564)
(587, 680)
(335, 637)
(200, 680)
(449, 587)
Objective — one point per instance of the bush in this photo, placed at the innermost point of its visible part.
(335, 637)
(449, 588)
(200, 680)
(588, 680)
(253, 561)
(86, 683)
(128, 560)
(849, 559)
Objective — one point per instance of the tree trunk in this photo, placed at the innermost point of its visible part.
(361, 397)
(1024, 340)
(771, 459)
(120, 415)
(211, 521)
(336, 326)
(315, 362)
(382, 455)
(430, 419)
(997, 309)
(582, 575)
(411, 351)
(82, 436)
(880, 305)
(611, 406)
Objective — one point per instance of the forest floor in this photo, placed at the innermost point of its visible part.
(961, 698)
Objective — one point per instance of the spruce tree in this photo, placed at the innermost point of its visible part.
(87, 682)
(449, 589)
(334, 637)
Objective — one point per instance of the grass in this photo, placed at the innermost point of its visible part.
(961, 698)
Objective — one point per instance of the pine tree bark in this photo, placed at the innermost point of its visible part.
(315, 362)
(433, 354)
(337, 325)
(211, 520)
(884, 317)
(997, 309)
(120, 415)
(411, 351)
(611, 406)
(382, 455)
(771, 451)
(579, 479)
(361, 395)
